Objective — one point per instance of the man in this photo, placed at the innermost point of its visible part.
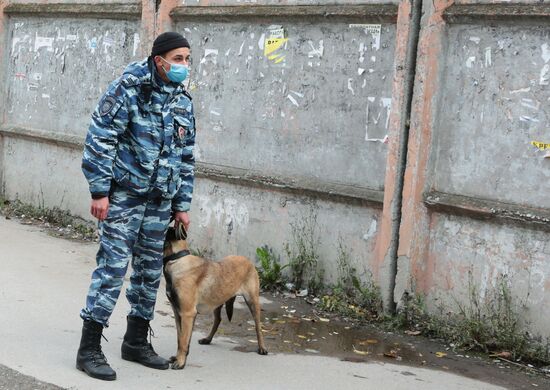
(138, 160)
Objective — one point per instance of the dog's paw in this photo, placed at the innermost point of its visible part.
(172, 359)
(205, 341)
(177, 366)
(262, 351)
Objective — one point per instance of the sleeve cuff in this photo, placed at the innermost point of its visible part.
(99, 195)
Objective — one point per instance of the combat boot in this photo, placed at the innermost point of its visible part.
(136, 348)
(90, 358)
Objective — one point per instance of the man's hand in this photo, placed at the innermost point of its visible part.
(100, 207)
(182, 217)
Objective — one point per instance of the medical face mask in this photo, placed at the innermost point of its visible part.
(177, 73)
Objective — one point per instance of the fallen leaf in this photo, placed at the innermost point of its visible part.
(503, 355)
(324, 319)
(368, 341)
(359, 352)
(311, 350)
(392, 354)
(440, 354)
(412, 332)
(302, 336)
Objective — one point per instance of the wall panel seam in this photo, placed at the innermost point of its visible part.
(487, 209)
(79, 10)
(514, 12)
(300, 186)
(382, 11)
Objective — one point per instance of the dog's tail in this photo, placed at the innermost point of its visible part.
(229, 308)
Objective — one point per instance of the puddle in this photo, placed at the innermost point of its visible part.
(291, 326)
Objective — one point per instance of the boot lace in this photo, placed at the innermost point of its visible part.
(149, 351)
(98, 358)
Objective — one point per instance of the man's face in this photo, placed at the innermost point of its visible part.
(181, 56)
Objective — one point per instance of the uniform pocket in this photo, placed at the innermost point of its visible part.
(126, 179)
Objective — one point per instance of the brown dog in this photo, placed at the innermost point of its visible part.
(193, 282)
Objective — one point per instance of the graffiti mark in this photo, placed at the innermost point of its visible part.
(375, 113)
(316, 52)
(43, 42)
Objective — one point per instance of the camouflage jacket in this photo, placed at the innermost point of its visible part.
(142, 137)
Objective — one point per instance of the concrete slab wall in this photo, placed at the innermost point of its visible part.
(302, 129)
(475, 197)
(320, 108)
(282, 135)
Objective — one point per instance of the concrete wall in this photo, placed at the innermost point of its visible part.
(319, 125)
(475, 196)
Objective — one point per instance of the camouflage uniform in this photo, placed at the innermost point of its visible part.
(139, 152)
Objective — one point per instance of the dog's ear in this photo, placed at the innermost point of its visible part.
(181, 233)
(171, 234)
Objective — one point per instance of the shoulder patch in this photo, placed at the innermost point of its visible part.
(107, 105)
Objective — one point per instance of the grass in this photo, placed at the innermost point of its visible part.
(493, 323)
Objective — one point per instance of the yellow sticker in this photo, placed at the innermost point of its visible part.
(540, 145)
(272, 44)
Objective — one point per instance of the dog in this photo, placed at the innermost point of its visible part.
(193, 283)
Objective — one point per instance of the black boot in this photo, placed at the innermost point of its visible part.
(135, 347)
(90, 358)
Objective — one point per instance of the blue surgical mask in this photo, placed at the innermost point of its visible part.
(177, 73)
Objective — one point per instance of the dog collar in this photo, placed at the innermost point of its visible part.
(175, 256)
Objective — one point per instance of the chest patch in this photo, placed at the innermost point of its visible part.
(180, 111)
(181, 132)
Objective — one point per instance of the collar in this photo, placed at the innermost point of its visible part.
(175, 256)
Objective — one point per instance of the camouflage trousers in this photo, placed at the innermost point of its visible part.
(134, 229)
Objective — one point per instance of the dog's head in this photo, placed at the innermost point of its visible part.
(176, 240)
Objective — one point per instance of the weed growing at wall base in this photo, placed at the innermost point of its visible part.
(270, 269)
(490, 324)
(61, 222)
(303, 256)
(350, 296)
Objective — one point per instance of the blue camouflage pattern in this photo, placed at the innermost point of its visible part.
(139, 152)
(135, 229)
(142, 137)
